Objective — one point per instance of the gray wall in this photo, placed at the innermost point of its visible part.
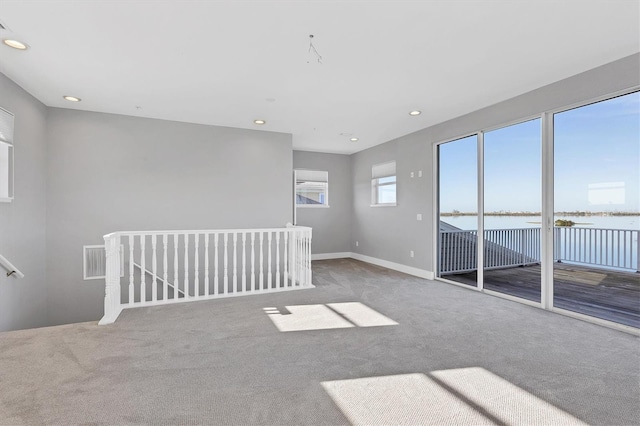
(331, 226)
(23, 302)
(389, 233)
(114, 173)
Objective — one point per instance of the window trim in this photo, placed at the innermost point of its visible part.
(375, 185)
(324, 205)
(8, 142)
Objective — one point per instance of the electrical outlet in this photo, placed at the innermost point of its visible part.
(419, 173)
(419, 216)
(412, 174)
(357, 244)
(411, 253)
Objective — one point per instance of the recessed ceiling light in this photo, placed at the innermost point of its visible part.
(72, 98)
(15, 44)
(354, 139)
(415, 112)
(259, 121)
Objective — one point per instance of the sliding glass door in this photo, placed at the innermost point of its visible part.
(458, 201)
(512, 206)
(597, 210)
(494, 186)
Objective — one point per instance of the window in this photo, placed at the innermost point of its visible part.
(312, 188)
(383, 184)
(6, 156)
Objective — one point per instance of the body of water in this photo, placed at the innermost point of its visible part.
(517, 222)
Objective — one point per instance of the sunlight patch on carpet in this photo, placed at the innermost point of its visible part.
(329, 316)
(466, 396)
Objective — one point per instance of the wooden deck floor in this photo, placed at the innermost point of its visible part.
(605, 294)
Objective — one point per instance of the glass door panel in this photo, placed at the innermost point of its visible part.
(458, 210)
(512, 206)
(597, 209)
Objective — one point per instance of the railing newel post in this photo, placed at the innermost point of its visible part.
(112, 302)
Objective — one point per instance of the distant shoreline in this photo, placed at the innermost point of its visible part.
(574, 214)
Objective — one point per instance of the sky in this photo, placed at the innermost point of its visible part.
(596, 163)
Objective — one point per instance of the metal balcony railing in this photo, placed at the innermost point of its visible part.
(611, 248)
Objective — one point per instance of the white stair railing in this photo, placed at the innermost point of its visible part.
(11, 270)
(202, 265)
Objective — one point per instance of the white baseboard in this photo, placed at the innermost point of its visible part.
(417, 272)
(326, 256)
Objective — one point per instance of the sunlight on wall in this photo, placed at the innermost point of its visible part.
(329, 316)
(459, 396)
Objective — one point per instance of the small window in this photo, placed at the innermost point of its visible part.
(312, 188)
(6, 156)
(383, 184)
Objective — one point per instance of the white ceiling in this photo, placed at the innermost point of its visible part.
(224, 62)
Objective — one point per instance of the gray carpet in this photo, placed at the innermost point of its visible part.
(454, 357)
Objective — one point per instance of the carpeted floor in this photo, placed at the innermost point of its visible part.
(454, 357)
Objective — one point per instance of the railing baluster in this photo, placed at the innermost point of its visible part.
(253, 261)
(261, 260)
(624, 249)
(215, 264)
(154, 268)
(269, 279)
(285, 256)
(186, 267)
(196, 265)
(308, 259)
(165, 268)
(206, 264)
(600, 246)
(235, 262)
(294, 261)
(277, 259)
(606, 247)
(225, 288)
(618, 246)
(143, 271)
(131, 277)
(244, 262)
(176, 266)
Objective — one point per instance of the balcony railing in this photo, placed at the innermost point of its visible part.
(609, 248)
(180, 266)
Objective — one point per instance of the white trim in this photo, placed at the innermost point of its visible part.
(435, 206)
(327, 256)
(312, 206)
(480, 225)
(417, 272)
(512, 298)
(597, 321)
(422, 273)
(384, 205)
(447, 281)
(547, 225)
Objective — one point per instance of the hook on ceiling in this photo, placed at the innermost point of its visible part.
(313, 50)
